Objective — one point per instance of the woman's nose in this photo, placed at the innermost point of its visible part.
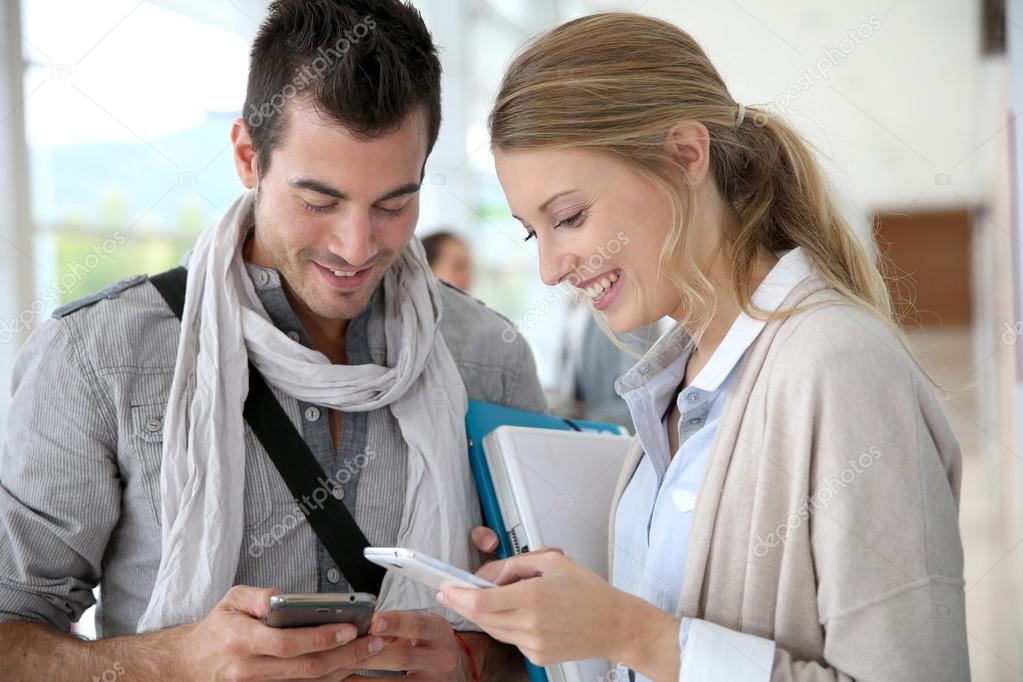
(555, 265)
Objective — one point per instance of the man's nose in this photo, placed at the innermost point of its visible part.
(353, 240)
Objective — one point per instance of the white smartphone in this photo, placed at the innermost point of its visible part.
(423, 568)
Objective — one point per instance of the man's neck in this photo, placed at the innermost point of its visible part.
(327, 336)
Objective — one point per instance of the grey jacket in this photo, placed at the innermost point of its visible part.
(827, 517)
(80, 471)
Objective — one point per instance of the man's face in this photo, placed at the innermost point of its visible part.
(334, 210)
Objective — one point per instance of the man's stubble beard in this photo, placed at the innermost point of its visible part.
(295, 278)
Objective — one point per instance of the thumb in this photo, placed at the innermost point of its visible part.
(485, 539)
(254, 601)
(528, 565)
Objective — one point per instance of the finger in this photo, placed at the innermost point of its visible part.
(508, 635)
(340, 659)
(254, 601)
(485, 539)
(403, 656)
(293, 642)
(528, 565)
(518, 628)
(409, 625)
(477, 604)
(336, 676)
(493, 570)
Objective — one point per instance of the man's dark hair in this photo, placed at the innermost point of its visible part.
(364, 64)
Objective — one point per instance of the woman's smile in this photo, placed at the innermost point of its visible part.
(603, 289)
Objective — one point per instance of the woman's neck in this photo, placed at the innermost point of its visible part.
(727, 309)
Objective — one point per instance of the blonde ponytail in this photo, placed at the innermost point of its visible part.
(616, 83)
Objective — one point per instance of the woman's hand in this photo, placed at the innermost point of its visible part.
(554, 610)
(550, 607)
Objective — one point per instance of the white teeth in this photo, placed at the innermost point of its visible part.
(597, 289)
(342, 273)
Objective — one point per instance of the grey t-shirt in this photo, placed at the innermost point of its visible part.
(80, 471)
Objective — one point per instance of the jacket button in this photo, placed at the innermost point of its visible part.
(154, 424)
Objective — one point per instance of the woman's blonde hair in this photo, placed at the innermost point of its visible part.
(617, 83)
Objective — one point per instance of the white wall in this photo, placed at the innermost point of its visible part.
(15, 241)
(1015, 9)
(895, 113)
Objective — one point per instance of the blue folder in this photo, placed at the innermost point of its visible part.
(480, 420)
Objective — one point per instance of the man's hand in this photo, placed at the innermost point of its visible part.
(232, 643)
(485, 540)
(422, 644)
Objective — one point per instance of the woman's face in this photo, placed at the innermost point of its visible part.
(598, 224)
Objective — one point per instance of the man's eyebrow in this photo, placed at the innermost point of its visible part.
(409, 188)
(323, 188)
(318, 187)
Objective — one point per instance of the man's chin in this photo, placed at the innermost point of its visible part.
(333, 304)
(338, 306)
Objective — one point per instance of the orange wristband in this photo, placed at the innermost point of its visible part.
(468, 652)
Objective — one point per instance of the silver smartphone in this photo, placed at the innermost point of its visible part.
(304, 610)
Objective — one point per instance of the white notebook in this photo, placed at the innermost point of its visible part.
(554, 489)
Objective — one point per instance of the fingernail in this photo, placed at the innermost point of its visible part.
(380, 626)
(345, 634)
(375, 645)
(441, 598)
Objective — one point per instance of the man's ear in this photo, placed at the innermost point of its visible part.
(689, 143)
(245, 157)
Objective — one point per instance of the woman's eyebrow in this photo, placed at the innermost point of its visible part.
(543, 206)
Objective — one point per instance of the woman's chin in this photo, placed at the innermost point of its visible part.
(624, 317)
(622, 324)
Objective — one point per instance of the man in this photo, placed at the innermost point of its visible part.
(128, 464)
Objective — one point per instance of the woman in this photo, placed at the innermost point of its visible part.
(789, 510)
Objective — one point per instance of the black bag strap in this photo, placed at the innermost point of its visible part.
(296, 463)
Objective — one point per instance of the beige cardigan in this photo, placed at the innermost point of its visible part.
(827, 520)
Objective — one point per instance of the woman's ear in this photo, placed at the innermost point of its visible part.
(689, 143)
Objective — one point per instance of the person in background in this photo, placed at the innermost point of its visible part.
(450, 259)
(790, 508)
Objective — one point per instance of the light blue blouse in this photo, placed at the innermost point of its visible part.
(654, 516)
